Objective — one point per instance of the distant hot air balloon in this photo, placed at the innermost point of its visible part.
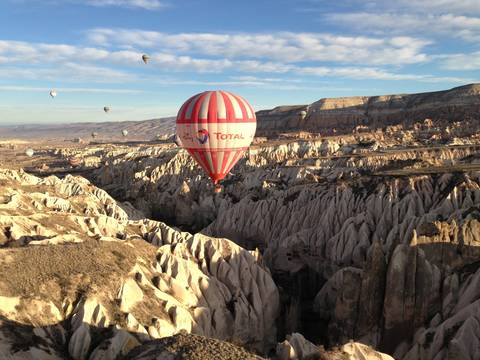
(216, 127)
(106, 109)
(302, 114)
(145, 58)
(53, 93)
(124, 133)
(29, 152)
(94, 135)
(75, 161)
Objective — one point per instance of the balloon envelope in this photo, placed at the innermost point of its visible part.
(145, 58)
(29, 152)
(53, 93)
(94, 135)
(106, 109)
(216, 127)
(124, 133)
(75, 161)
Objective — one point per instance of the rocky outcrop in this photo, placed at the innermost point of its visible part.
(452, 332)
(380, 237)
(86, 281)
(166, 184)
(296, 347)
(189, 346)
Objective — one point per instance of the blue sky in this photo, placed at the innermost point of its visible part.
(272, 52)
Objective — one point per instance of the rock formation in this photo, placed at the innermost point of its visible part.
(378, 233)
(86, 281)
(345, 114)
(189, 346)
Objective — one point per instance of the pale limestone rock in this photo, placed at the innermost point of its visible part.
(193, 283)
(79, 343)
(357, 351)
(295, 347)
(120, 344)
(129, 295)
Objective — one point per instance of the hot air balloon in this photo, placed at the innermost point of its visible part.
(75, 161)
(145, 58)
(302, 114)
(216, 127)
(29, 152)
(94, 135)
(53, 93)
(106, 109)
(124, 133)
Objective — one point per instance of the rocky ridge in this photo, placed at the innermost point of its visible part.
(345, 114)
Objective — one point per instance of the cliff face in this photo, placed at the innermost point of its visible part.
(344, 114)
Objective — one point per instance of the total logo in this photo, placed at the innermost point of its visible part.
(202, 136)
(222, 136)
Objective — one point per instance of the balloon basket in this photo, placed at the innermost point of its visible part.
(218, 189)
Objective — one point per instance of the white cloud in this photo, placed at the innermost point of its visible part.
(187, 63)
(362, 73)
(69, 72)
(244, 81)
(459, 7)
(41, 53)
(441, 6)
(445, 25)
(462, 62)
(286, 47)
(41, 61)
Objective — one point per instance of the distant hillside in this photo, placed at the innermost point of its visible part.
(137, 130)
(343, 114)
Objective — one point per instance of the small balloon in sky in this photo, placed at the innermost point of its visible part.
(145, 58)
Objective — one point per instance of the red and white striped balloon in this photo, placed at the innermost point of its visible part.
(216, 127)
